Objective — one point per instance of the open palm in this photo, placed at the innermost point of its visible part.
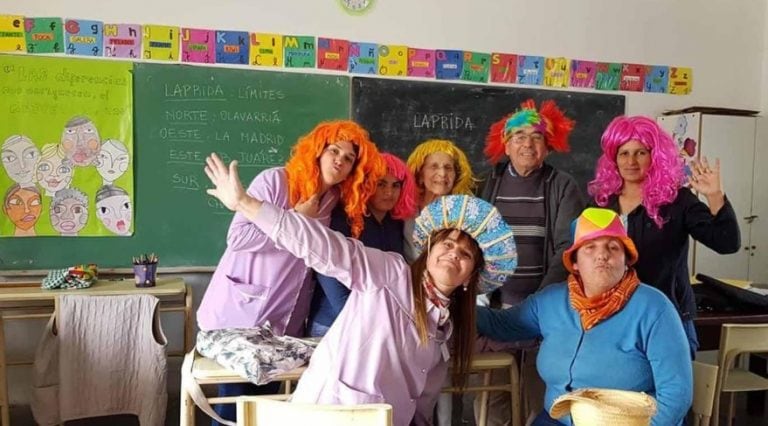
(228, 188)
(705, 178)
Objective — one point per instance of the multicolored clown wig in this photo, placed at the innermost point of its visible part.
(665, 176)
(303, 168)
(406, 206)
(465, 180)
(548, 120)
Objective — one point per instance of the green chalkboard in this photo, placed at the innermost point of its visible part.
(182, 113)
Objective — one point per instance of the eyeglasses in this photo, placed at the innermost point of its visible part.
(535, 137)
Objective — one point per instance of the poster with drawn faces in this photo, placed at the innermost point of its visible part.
(48, 172)
(67, 164)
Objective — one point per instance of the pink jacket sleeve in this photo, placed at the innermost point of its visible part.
(329, 252)
(243, 235)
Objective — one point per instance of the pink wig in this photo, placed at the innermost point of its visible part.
(405, 208)
(665, 176)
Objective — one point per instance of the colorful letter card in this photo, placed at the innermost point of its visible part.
(449, 65)
(503, 68)
(44, 35)
(122, 40)
(557, 72)
(657, 79)
(332, 54)
(198, 45)
(12, 34)
(363, 58)
(421, 63)
(530, 70)
(232, 47)
(161, 42)
(393, 60)
(680, 80)
(608, 76)
(266, 50)
(476, 66)
(632, 77)
(583, 73)
(85, 38)
(299, 51)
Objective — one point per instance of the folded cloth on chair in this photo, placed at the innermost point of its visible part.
(254, 353)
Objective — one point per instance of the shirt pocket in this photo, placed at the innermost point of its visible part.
(347, 394)
(249, 292)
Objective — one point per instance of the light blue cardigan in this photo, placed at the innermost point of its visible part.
(641, 348)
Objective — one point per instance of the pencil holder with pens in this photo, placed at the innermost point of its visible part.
(145, 270)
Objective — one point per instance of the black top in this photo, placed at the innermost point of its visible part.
(330, 296)
(663, 261)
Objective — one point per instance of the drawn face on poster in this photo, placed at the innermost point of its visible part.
(112, 161)
(22, 205)
(80, 141)
(114, 209)
(20, 156)
(69, 211)
(54, 171)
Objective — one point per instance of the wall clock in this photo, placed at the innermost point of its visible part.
(356, 7)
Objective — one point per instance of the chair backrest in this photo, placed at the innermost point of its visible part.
(704, 382)
(257, 411)
(736, 339)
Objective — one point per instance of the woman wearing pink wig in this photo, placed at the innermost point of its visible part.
(640, 176)
(393, 202)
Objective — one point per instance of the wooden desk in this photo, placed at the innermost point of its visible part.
(31, 301)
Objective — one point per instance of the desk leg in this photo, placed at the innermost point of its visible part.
(6, 421)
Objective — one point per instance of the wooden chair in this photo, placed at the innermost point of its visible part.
(258, 411)
(704, 383)
(484, 363)
(198, 370)
(737, 340)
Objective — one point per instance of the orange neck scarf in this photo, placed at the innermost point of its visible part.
(593, 310)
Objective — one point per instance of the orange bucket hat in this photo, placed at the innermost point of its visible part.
(592, 224)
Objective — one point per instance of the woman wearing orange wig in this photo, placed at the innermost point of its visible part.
(255, 280)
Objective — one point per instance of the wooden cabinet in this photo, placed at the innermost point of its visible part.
(733, 140)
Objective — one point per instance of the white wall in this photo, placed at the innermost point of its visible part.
(724, 41)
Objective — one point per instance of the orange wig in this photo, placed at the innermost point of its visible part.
(303, 168)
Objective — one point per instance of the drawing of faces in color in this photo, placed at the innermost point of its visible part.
(20, 156)
(80, 141)
(23, 206)
(114, 209)
(112, 160)
(54, 171)
(69, 211)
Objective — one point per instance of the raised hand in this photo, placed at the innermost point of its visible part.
(228, 188)
(310, 207)
(705, 179)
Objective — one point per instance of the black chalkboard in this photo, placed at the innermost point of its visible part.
(181, 114)
(400, 114)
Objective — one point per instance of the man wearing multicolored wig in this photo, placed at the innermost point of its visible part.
(537, 200)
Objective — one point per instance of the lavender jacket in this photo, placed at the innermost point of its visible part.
(256, 281)
(372, 353)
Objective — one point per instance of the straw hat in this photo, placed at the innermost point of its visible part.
(605, 407)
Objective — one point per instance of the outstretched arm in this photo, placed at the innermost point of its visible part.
(322, 249)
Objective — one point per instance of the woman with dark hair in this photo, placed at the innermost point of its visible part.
(390, 343)
(393, 202)
(640, 176)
